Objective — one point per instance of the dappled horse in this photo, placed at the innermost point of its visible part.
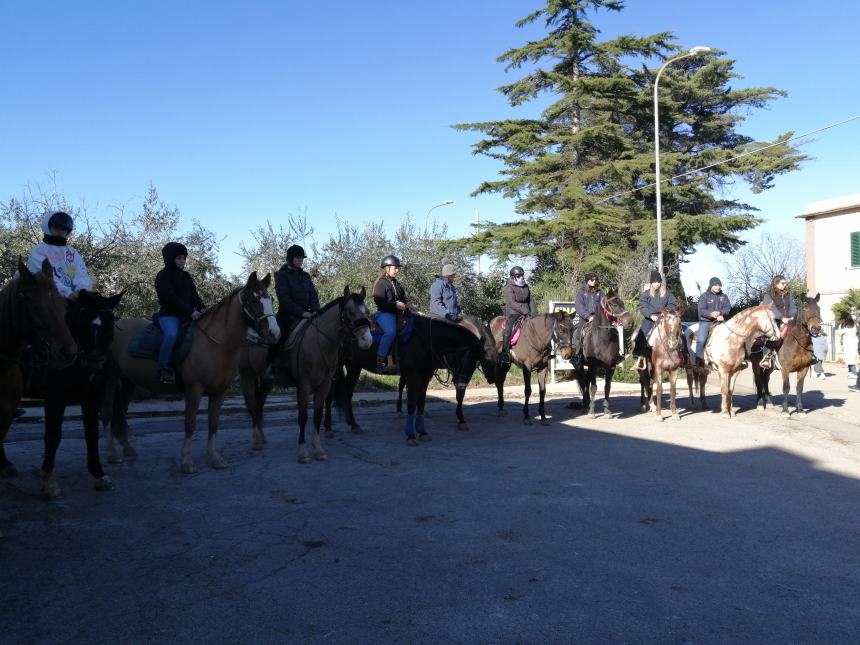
(308, 359)
(91, 320)
(725, 349)
(32, 313)
(209, 369)
(487, 365)
(431, 339)
(601, 349)
(532, 353)
(666, 356)
(795, 355)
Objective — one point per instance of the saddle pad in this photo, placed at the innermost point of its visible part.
(517, 332)
(147, 343)
(405, 334)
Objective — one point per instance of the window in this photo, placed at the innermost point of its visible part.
(855, 250)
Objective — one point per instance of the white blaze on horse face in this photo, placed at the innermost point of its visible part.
(364, 338)
(269, 312)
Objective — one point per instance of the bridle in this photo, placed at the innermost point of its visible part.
(614, 318)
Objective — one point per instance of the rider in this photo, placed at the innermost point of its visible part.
(70, 272)
(443, 295)
(179, 301)
(390, 299)
(713, 307)
(297, 296)
(651, 302)
(518, 303)
(784, 311)
(587, 301)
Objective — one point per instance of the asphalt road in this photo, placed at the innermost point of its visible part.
(623, 530)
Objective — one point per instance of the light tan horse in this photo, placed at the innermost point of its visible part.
(209, 369)
(666, 356)
(726, 347)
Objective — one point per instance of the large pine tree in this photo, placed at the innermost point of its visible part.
(595, 140)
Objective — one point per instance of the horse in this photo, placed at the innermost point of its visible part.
(431, 339)
(666, 356)
(91, 320)
(532, 353)
(310, 358)
(601, 348)
(725, 349)
(209, 369)
(32, 312)
(487, 365)
(697, 374)
(795, 355)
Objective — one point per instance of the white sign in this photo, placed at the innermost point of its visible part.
(558, 363)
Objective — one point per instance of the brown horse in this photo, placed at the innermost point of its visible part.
(532, 353)
(725, 349)
(32, 312)
(308, 360)
(210, 367)
(666, 356)
(697, 373)
(795, 355)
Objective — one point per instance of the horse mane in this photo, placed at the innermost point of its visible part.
(331, 304)
(221, 304)
(8, 308)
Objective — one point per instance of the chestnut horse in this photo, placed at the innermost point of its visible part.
(666, 356)
(725, 349)
(209, 369)
(32, 312)
(795, 355)
(532, 353)
(308, 360)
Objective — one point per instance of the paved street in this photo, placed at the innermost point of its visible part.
(622, 529)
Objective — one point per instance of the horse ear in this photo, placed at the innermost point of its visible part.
(113, 301)
(265, 282)
(25, 273)
(559, 315)
(47, 269)
(363, 292)
(252, 279)
(817, 297)
(346, 291)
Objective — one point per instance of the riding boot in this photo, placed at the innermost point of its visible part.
(382, 366)
(576, 345)
(166, 376)
(505, 354)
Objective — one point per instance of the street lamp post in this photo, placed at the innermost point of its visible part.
(694, 51)
(427, 216)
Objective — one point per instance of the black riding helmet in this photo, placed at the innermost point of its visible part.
(517, 271)
(61, 219)
(389, 261)
(295, 251)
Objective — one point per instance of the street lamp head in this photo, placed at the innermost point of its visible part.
(701, 49)
(446, 202)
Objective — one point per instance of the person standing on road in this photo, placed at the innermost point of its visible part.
(819, 347)
(846, 333)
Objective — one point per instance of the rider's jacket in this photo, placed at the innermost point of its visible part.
(443, 299)
(177, 294)
(710, 301)
(296, 294)
(652, 305)
(70, 272)
(386, 292)
(587, 301)
(518, 299)
(783, 304)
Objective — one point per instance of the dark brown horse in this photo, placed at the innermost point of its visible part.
(308, 359)
(666, 356)
(91, 320)
(209, 369)
(795, 355)
(601, 349)
(532, 354)
(32, 312)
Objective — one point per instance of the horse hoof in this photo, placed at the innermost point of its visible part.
(400, 414)
(544, 422)
(503, 412)
(257, 445)
(411, 441)
(128, 451)
(425, 437)
(103, 484)
(304, 459)
(51, 488)
(677, 417)
(357, 430)
(9, 471)
(801, 414)
(726, 415)
(785, 413)
(320, 456)
(592, 415)
(643, 408)
(528, 422)
(188, 468)
(219, 464)
(329, 434)
(463, 426)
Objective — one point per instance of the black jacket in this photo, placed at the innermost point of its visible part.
(296, 293)
(710, 301)
(177, 295)
(387, 291)
(518, 300)
(652, 305)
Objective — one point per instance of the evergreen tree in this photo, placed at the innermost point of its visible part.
(574, 170)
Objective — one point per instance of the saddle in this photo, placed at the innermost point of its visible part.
(146, 343)
(517, 331)
(405, 326)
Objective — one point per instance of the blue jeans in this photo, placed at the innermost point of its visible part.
(388, 322)
(170, 327)
(704, 330)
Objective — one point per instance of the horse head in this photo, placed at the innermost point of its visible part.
(91, 320)
(810, 314)
(257, 308)
(490, 358)
(42, 315)
(670, 328)
(562, 334)
(615, 309)
(355, 316)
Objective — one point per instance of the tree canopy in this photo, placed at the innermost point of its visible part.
(580, 170)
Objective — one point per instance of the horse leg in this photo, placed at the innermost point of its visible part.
(725, 402)
(192, 403)
(644, 390)
(657, 380)
(319, 402)
(55, 407)
(500, 389)
(786, 390)
(703, 380)
(607, 386)
(251, 385)
(542, 394)
(592, 389)
(411, 405)
(401, 383)
(461, 420)
(733, 379)
(7, 410)
(117, 428)
(302, 403)
(673, 404)
(90, 412)
(421, 399)
(527, 391)
(352, 374)
(801, 375)
(213, 414)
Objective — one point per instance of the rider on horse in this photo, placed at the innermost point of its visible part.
(443, 295)
(178, 300)
(390, 299)
(297, 296)
(651, 302)
(784, 311)
(518, 304)
(587, 302)
(70, 272)
(713, 307)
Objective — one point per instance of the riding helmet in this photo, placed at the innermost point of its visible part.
(295, 251)
(517, 271)
(61, 219)
(389, 261)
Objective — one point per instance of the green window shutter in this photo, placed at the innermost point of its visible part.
(855, 249)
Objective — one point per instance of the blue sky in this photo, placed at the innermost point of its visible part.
(241, 112)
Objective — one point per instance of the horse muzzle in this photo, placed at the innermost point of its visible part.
(363, 337)
(565, 352)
